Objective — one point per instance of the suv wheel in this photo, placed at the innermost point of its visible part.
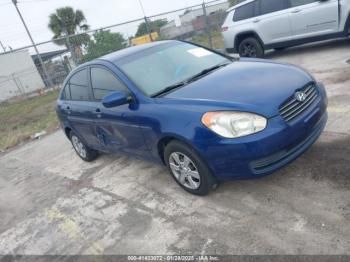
(188, 169)
(250, 47)
(82, 150)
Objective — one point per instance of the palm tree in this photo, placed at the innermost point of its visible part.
(64, 22)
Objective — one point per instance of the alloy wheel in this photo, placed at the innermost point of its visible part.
(79, 146)
(248, 50)
(184, 170)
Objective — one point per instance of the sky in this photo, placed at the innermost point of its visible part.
(98, 13)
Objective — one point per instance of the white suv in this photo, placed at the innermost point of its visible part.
(254, 26)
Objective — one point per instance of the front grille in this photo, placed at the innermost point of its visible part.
(293, 108)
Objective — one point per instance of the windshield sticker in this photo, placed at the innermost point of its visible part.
(199, 52)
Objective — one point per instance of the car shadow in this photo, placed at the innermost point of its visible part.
(307, 48)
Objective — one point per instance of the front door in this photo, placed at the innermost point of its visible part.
(117, 128)
(273, 24)
(313, 18)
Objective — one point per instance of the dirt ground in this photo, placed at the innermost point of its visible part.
(53, 203)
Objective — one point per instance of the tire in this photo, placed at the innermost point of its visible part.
(83, 151)
(196, 178)
(250, 47)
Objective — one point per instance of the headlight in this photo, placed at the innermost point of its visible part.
(234, 124)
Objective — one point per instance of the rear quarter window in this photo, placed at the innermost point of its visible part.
(245, 11)
(66, 93)
(78, 86)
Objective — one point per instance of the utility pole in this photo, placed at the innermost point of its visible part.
(3, 48)
(35, 48)
(146, 21)
(207, 25)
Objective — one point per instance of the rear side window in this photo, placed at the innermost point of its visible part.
(294, 3)
(78, 84)
(245, 12)
(66, 92)
(104, 82)
(270, 6)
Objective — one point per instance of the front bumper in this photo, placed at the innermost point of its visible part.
(265, 152)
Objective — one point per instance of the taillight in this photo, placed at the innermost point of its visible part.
(224, 29)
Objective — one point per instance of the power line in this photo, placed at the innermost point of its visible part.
(31, 39)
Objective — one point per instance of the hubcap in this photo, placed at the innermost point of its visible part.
(79, 146)
(248, 50)
(184, 170)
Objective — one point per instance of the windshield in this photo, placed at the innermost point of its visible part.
(159, 67)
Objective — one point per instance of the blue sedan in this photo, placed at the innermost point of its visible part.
(209, 118)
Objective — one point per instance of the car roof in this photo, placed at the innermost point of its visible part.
(240, 4)
(118, 55)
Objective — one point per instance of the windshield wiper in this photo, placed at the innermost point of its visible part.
(169, 88)
(191, 79)
(206, 71)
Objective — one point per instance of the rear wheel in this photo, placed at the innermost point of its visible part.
(250, 47)
(82, 150)
(188, 169)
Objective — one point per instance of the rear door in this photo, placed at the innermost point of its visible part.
(273, 24)
(117, 128)
(79, 108)
(313, 18)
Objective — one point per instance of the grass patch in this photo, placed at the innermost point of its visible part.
(21, 119)
(218, 42)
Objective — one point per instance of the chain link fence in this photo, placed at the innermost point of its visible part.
(25, 75)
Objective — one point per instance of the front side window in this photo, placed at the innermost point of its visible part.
(159, 67)
(244, 12)
(270, 6)
(104, 82)
(294, 3)
(79, 90)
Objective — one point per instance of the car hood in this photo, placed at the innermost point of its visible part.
(251, 85)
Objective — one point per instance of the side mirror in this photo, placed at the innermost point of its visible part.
(114, 99)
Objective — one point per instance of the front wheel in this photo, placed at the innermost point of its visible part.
(188, 169)
(250, 47)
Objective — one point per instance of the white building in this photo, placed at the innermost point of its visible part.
(18, 75)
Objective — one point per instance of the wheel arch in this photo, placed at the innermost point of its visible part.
(67, 131)
(243, 35)
(166, 139)
(347, 24)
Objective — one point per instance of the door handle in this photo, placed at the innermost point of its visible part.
(256, 20)
(296, 11)
(98, 113)
(68, 110)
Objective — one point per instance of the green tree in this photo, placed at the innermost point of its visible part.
(154, 26)
(65, 21)
(103, 42)
(234, 2)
